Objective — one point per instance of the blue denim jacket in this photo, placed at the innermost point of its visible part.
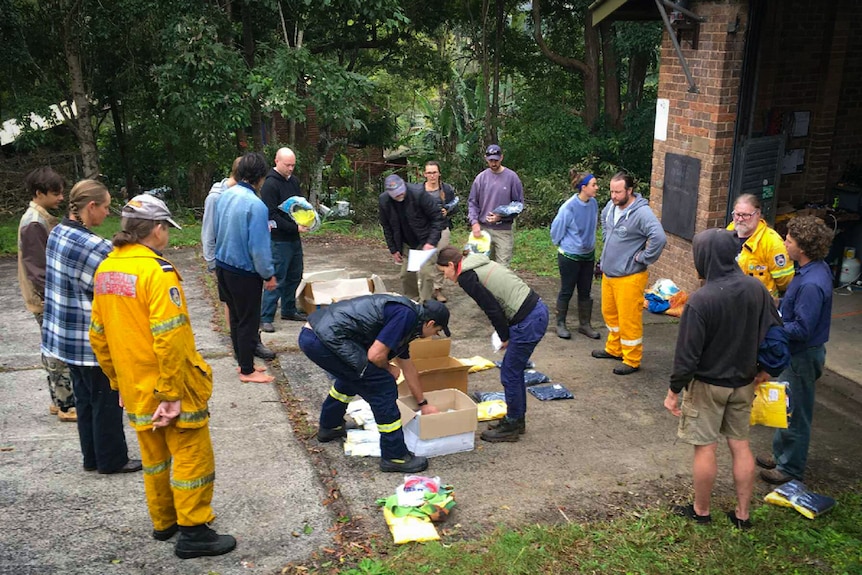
(242, 233)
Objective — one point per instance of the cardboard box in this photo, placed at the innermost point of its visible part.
(451, 431)
(437, 369)
(323, 288)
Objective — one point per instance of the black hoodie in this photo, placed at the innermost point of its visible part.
(724, 321)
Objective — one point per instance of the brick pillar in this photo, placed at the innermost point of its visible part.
(700, 125)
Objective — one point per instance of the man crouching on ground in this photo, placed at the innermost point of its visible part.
(716, 362)
(354, 340)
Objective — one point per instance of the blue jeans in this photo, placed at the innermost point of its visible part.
(287, 259)
(376, 386)
(790, 446)
(100, 419)
(523, 339)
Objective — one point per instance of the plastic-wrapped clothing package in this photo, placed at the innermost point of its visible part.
(550, 392)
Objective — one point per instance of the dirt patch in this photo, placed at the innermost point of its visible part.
(610, 450)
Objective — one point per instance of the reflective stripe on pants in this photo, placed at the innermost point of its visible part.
(622, 308)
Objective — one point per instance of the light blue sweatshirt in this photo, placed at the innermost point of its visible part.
(242, 233)
(635, 241)
(574, 228)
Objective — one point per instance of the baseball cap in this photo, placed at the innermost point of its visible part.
(434, 310)
(147, 207)
(493, 152)
(395, 186)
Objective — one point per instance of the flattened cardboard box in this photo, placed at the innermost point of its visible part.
(437, 369)
(451, 431)
(323, 288)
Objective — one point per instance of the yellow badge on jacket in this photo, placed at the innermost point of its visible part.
(175, 296)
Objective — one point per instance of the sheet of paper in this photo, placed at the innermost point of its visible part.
(417, 258)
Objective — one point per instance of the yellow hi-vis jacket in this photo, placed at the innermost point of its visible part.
(764, 256)
(141, 335)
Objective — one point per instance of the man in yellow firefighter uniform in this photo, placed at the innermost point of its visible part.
(141, 335)
(761, 253)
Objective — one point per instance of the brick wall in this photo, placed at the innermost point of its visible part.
(811, 62)
(700, 125)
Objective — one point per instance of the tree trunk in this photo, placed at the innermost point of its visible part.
(638, 68)
(588, 68)
(199, 180)
(498, 43)
(248, 49)
(613, 111)
(122, 147)
(486, 74)
(592, 87)
(83, 121)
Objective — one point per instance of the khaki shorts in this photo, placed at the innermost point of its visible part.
(709, 411)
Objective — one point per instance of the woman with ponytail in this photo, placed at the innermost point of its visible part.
(519, 316)
(73, 253)
(573, 231)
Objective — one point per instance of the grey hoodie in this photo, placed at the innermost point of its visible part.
(724, 321)
(634, 242)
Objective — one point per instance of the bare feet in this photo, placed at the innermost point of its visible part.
(256, 377)
(256, 368)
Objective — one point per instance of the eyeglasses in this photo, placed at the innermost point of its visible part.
(742, 216)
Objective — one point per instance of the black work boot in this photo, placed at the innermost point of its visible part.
(201, 541)
(585, 314)
(325, 435)
(522, 424)
(165, 534)
(408, 464)
(508, 430)
(562, 312)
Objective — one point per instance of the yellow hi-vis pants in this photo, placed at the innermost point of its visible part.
(179, 472)
(623, 308)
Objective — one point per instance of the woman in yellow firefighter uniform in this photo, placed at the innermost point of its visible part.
(141, 335)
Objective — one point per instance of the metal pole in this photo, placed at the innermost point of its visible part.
(692, 88)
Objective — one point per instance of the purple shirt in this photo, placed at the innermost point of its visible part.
(490, 191)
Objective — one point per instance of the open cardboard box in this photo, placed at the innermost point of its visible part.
(451, 431)
(323, 288)
(437, 369)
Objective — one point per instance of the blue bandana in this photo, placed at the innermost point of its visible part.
(585, 181)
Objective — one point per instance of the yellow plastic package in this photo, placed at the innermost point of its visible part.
(409, 528)
(477, 363)
(770, 404)
(490, 410)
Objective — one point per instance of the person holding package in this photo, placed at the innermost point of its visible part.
(634, 239)
(72, 255)
(354, 340)
(716, 363)
(142, 337)
(411, 220)
(46, 190)
(496, 186)
(573, 231)
(807, 312)
(520, 318)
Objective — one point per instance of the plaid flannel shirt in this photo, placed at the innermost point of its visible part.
(73, 254)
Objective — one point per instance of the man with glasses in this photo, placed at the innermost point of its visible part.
(445, 195)
(494, 187)
(761, 253)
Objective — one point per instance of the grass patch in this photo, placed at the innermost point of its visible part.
(646, 542)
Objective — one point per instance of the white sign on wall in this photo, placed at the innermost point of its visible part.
(662, 112)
